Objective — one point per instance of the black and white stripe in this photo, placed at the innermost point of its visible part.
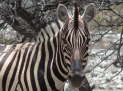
(30, 67)
(50, 30)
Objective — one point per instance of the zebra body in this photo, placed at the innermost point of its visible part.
(31, 72)
(45, 66)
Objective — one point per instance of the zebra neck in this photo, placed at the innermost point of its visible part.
(61, 60)
(59, 64)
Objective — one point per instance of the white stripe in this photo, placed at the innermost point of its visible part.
(46, 66)
(55, 27)
(49, 31)
(36, 68)
(28, 69)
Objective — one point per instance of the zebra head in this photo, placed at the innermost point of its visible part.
(74, 41)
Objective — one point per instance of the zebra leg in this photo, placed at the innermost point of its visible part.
(85, 86)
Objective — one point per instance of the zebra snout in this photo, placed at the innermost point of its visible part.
(76, 74)
(76, 80)
(76, 67)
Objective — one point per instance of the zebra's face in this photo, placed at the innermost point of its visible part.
(74, 39)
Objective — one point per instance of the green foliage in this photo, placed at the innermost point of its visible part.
(5, 41)
(98, 18)
(120, 28)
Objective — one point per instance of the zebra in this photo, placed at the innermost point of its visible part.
(46, 65)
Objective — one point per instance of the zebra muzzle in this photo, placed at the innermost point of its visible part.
(76, 75)
(76, 81)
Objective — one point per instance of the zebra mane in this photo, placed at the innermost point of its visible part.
(76, 14)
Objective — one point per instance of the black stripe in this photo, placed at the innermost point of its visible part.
(41, 69)
(21, 85)
(32, 68)
(42, 35)
(65, 65)
(26, 67)
(86, 55)
(57, 23)
(49, 76)
(76, 14)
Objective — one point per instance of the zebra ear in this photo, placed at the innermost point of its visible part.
(62, 13)
(89, 13)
